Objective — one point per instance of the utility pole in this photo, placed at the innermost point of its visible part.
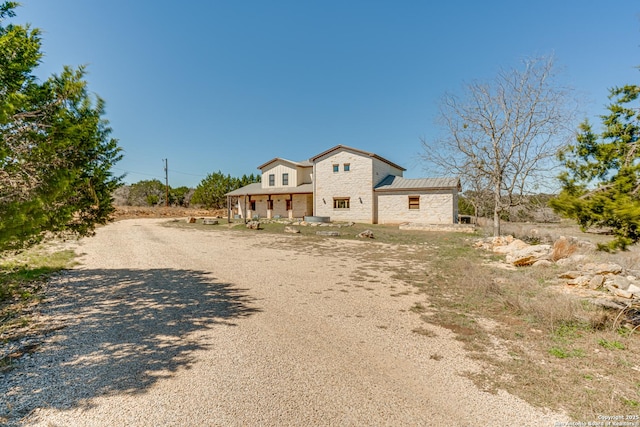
(166, 181)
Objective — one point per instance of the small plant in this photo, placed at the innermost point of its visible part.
(611, 345)
(562, 353)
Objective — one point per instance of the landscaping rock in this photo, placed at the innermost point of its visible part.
(254, 225)
(572, 274)
(367, 234)
(579, 281)
(529, 255)
(328, 233)
(292, 230)
(209, 221)
(191, 220)
(604, 269)
(513, 246)
(618, 282)
(596, 282)
(542, 263)
(620, 292)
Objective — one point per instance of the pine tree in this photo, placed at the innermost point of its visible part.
(55, 151)
(601, 186)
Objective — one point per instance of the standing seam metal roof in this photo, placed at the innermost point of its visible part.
(391, 182)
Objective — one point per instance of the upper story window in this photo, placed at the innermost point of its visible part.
(336, 168)
(272, 180)
(346, 167)
(285, 179)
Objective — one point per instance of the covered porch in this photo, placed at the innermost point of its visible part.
(254, 202)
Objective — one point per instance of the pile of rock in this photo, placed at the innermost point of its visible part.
(606, 277)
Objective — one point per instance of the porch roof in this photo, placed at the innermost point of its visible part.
(256, 189)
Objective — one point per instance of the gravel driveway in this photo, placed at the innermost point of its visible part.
(179, 327)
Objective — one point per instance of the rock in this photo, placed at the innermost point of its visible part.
(191, 220)
(579, 281)
(365, 234)
(513, 246)
(634, 289)
(529, 255)
(328, 233)
(542, 263)
(618, 282)
(209, 221)
(596, 282)
(604, 269)
(254, 225)
(620, 292)
(292, 230)
(570, 274)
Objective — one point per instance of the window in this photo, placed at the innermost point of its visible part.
(270, 205)
(289, 205)
(253, 205)
(340, 203)
(414, 202)
(336, 168)
(272, 180)
(285, 179)
(347, 167)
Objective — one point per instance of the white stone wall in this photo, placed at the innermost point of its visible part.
(356, 184)
(435, 207)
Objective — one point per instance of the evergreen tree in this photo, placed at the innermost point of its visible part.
(55, 150)
(601, 186)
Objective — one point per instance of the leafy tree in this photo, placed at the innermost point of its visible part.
(601, 184)
(147, 193)
(502, 135)
(181, 196)
(211, 191)
(55, 150)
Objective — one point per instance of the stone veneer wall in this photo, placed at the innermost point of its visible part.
(435, 207)
(356, 184)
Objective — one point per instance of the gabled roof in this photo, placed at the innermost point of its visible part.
(256, 189)
(355, 150)
(394, 183)
(303, 164)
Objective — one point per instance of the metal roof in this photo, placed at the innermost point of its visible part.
(302, 164)
(393, 183)
(256, 189)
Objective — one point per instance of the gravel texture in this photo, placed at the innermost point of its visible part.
(178, 327)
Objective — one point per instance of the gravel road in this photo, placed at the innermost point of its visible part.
(178, 327)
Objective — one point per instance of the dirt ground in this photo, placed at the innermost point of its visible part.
(170, 326)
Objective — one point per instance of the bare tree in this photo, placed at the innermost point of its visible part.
(505, 134)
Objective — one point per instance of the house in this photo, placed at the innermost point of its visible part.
(346, 184)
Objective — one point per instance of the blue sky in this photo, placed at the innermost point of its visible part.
(227, 85)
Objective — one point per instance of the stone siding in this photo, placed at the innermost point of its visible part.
(356, 184)
(435, 207)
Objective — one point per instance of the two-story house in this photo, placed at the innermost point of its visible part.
(346, 184)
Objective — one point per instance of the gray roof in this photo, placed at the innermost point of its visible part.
(393, 183)
(303, 164)
(256, 189)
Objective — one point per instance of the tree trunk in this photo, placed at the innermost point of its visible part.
(496, 214)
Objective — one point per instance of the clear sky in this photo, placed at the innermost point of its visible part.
(228, 85)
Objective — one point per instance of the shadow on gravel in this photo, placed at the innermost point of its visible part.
(129, 329)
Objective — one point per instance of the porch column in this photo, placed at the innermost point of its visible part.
(290, 212)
